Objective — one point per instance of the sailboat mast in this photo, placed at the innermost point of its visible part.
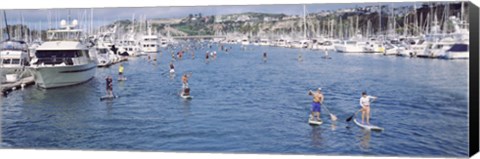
(304, 23)
(6, 25)
(379, 19)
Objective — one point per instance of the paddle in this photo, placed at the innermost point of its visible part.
(351, 117)
(333, 117)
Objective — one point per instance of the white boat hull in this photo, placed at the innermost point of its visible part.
(60, 76)
(457, 55)
(349, 49)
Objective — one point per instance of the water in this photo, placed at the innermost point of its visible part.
(244, 105)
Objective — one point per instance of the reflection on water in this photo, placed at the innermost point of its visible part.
(186, 108)
(365, 139)
(316, 136)
(109, 107)
(333, 125)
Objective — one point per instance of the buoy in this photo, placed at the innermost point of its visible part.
(22, 85)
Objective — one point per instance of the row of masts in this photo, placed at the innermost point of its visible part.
(413, 24)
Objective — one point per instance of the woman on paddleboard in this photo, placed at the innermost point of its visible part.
(365, 104)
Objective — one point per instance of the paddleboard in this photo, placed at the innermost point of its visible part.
(326, 57)
(186, 97)
(106, 97)
(312, 121)
(122, 79)
(367, 127)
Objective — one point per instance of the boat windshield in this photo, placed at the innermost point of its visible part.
(102, 51)
(58, 56)
(351, 42)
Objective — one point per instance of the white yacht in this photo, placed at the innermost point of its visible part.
(350, 46)
(264, 42)
(163, 42)
(390, 49)
(458, 51)
(281, 43)
(150, 42)
(437, 49)
(14, 58)
(325, 44)
(374, 46)
(245, 41)
(104, 55)
(129, 47)
(106, 40)
(412, 47)
(64, 59)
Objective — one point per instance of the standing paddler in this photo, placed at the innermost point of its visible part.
(316, 104)
(365, 104)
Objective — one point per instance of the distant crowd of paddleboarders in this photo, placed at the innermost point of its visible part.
(318, 97)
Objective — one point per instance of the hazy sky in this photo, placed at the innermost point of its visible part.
(102, 16)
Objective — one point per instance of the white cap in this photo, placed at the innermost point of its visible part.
(319, 88)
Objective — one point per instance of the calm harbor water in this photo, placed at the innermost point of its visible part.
(244, 105)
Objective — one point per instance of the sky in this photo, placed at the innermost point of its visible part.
(40, 17)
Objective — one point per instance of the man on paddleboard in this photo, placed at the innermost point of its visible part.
(185, 89)
(316, 104)
(365, 104)
(109, 81)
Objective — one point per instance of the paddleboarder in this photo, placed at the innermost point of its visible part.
(109, 85)
(120, 71)
(316, 104)
(172, 68)
(365, 104)
(264, 56)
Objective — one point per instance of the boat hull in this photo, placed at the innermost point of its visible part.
(457, 55)
(61, 76)
(349, 49)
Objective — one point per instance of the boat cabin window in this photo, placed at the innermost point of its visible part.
(103, 51)
(351, 42)
(16, 61)
(7, 61)
(58, 56)
(395, 42)
(421, 42)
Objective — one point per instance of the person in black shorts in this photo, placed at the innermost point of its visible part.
(109, 86)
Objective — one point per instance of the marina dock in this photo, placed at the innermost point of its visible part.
(19, 84)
